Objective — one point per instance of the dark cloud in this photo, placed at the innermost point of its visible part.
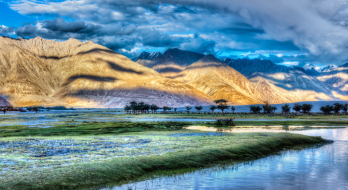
(156, 39)
(5, 30)
(198, 44)
(117, 42)
(114, 36)
(59, 25)
(273, 58)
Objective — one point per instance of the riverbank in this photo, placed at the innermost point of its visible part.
(75, 128)
(90, 161)
(195, 115)
(50, 118)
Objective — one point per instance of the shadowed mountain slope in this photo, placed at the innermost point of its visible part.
(218, 80)
(337, 79)
(294, 86)
(45, 72)
(247, 67)
(4, 102)
(281, 84)
(147, 59)
(171, 62)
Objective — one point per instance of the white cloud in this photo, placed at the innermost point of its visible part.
(294, 63)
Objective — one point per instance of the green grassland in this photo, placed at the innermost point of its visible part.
(87, 153)
(164, 150)
(104, 128)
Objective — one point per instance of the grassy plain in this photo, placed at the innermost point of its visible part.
(129, 159)
(81, 150)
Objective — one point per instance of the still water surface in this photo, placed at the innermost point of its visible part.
(324, 167)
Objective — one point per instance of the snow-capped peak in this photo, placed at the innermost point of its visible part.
(329, 68)
(154, 55)
(147, 56)
(311, 66)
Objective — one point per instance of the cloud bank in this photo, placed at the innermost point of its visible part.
(314, 28)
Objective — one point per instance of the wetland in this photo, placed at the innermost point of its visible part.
(102, 148)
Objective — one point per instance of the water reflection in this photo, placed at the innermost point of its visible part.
(269, 129)
(320, 168)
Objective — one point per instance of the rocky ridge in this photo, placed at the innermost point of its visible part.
(72, 73)
(282, 84)
(218, 80)
(171, 62)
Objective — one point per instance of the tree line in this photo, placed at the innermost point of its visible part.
(141, 107)
(268, 109)
(336, 108)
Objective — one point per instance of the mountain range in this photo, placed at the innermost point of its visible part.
(170, 63)
(72, 73)
(281, 84)
(220, 81)
(313, 70)
(84, 74)
(274, 83)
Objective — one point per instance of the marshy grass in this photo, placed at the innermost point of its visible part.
(168, 146)
(175, 152)
(106, 128)
(89, 128)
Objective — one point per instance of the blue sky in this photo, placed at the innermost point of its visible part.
(287, 32)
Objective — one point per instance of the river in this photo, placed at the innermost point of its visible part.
(319, 168)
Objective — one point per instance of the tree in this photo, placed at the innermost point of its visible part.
(165, 108)
(212, 108)
(147, 107)
(133, 106)
(345, 108)
(274, 109)
(141, 107)
(297, 107)
(222, 108)
(307, 108)
(175, 110)
(127, 108)
(255, 109)
(232, 108)
(188, 110)
(327, 109)
(267, 108)
(286, 109)
(169, 108)
(337, 107)
(199, 108)
(154, 108)
(220, 102)
(36, 109)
